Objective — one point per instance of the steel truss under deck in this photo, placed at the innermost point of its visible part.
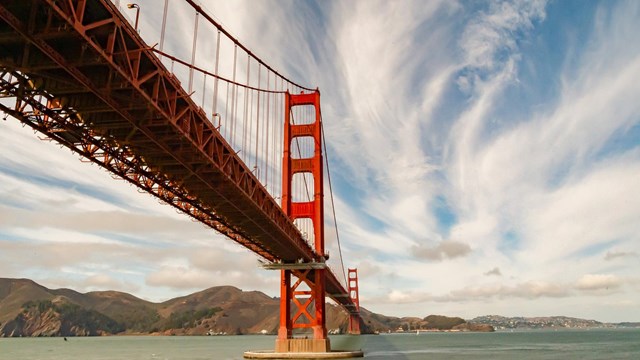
(81, 75)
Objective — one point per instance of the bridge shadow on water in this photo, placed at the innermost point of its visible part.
(374, 346)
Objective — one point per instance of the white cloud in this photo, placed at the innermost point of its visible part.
(100, 282)
(397, 296)
(180, 278)
(593, 282)
(611, 255)
(493, 32)
(444, 250)
(526, 290)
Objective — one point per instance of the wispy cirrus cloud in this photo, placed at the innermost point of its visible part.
(528, 191)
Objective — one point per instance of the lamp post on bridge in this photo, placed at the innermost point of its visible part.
(137, 7)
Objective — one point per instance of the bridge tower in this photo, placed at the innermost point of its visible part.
(354, 317)
(309, 305)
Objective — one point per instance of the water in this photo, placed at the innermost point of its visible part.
(538, 344)
(535, 344)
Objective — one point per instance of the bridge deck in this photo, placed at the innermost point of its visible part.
(112, 100)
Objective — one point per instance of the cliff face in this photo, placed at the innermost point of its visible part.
(44, 318)
(33, 324)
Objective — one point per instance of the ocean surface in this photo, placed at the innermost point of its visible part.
(534, 344)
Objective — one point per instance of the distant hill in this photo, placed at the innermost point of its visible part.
(380, 323)
(35, 303)
(502, 322)
(30, 309)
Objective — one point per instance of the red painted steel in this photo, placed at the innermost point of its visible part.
(354, 294)
(81, 75)
(303, 317)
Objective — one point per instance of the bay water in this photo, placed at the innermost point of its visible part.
(532, 344)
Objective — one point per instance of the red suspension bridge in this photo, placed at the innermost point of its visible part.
(240, 136)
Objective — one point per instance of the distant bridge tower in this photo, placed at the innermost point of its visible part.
(354, 317)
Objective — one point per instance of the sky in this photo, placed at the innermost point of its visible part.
(485, 159)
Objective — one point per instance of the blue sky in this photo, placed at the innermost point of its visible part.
(485, 158)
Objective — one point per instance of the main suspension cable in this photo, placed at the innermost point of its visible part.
(205, 15)
(333, 206)
(218, 77)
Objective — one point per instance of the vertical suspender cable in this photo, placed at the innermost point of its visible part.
(236, 118)
(245, 120)
(266, 132)
(226, 114)
(164, 25)
(250, 126)
(233, 97)
(264, 127)
(215, 82)
(273, 139)
(258, 118)
(279, 130)
(276, 145)
(193, 52)
(204, 89)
